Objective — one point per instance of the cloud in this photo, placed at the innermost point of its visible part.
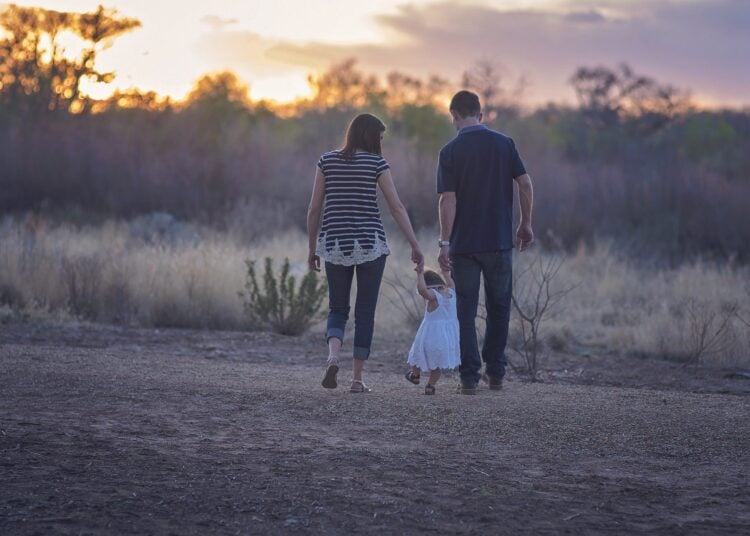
(591, 16)
(217, 23)
(245, 52)
(699, 44)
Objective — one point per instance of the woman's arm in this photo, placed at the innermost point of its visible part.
(313, 219)
(385, 180)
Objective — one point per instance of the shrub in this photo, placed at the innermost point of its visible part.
(281, 306)
(710, 329)
(404, 299)
(535, 299)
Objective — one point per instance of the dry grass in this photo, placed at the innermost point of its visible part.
(111, 274)
(640, 311)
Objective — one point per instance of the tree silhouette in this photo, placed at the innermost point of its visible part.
(607, 96)
(222, 93)
(487, 79)
(404, 89)
(37, 73)
(345, 87)
(133, 99)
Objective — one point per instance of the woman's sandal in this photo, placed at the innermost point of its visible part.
(329, 380)
(361, 389)
(429, 389)
(411, 377)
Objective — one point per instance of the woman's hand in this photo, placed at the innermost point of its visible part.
(313, 262)
(417, 258)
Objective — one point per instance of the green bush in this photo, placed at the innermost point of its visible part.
(281, 306)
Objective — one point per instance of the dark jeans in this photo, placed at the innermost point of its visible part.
(369, 276)
(497, 269)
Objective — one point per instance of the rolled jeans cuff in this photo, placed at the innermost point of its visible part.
(360, 352)
(335, 332)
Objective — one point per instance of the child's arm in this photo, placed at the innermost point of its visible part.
(426, 293)
(448, 279)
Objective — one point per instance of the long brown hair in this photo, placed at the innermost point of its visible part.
(363, 134)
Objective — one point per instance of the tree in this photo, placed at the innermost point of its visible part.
(345, 87)
(37, 73)
(133, 99)
(407, 90)
(222, 93)
(486, 79)
(607, 96)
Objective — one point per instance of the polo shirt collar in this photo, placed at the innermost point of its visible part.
(472, 128)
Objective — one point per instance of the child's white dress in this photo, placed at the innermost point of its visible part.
(436, 343)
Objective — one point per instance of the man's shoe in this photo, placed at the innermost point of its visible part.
(495, 384)
(467, 389)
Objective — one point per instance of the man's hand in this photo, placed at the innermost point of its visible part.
(524, 236)
(313, 262)
(444, 259)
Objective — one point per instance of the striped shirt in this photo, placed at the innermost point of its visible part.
(352, 231)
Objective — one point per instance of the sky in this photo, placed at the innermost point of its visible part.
(700, 45)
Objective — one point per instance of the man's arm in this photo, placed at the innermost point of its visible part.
(447, 212)
(525, 234)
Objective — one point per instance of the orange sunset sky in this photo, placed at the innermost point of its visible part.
(702, 45)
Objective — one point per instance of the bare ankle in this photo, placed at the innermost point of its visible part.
(434, 376)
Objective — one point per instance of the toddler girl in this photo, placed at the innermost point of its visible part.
(435, 346)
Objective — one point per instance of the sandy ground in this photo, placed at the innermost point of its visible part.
(108, 430)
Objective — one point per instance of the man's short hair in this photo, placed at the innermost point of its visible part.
(466, 104)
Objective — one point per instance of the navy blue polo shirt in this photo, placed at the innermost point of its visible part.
(479, 165)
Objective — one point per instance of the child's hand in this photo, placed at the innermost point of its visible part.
(419, 268)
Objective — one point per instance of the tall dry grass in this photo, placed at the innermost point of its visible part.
(111, 274)
(117, 273)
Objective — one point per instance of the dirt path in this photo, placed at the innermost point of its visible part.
(105, 430)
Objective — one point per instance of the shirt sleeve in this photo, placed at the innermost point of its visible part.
(321, 164)
(516, 162)
(382, 166)
(446, 181)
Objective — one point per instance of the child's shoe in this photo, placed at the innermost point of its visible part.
(411, 377)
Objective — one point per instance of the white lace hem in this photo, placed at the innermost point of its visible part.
(359, 255)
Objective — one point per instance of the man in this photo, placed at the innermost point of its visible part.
(475, 178)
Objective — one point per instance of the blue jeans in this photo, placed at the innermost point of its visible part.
(497, 269)
(369, 276)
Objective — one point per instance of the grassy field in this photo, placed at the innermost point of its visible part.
(166, 274)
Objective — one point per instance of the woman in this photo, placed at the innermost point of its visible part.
(352, 240)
